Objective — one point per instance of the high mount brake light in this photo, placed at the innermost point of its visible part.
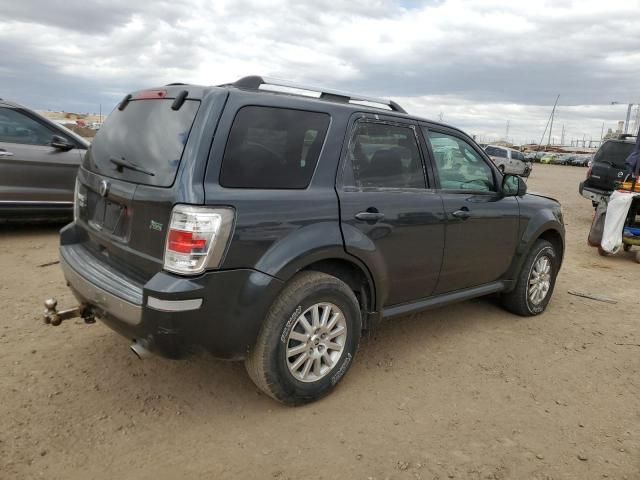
(150, 95)
(197, 238)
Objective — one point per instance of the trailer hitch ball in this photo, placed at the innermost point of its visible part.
(55, 317)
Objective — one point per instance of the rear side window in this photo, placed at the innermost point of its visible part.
(384, 156)
(147, 134)
(517, 156)
(273, 148)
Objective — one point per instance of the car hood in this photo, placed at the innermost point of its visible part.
(542, 195)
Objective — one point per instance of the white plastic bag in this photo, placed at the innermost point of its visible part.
(617, 209)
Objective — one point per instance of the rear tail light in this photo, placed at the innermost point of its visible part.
(589, 170)
(197, 238)
(79, 200)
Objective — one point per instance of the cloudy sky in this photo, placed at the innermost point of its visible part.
(478, 63)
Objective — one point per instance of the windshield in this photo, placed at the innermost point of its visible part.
(614, 152)
(142, 143)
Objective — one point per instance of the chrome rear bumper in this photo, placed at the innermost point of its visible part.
(89, 293)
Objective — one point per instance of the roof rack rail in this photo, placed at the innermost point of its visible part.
(254, 82)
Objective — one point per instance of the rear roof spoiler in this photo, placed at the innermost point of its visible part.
(254, 82)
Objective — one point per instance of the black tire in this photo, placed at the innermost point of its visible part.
(267, 363)
(517, 301)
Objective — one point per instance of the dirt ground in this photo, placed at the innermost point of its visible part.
(468, 391)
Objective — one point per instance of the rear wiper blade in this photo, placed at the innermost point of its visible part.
(122, 163)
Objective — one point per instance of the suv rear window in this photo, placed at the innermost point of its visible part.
(614, 152)
(148, 134)
(517, 156)
(273, 148)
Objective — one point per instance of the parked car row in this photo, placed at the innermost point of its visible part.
(576, 160)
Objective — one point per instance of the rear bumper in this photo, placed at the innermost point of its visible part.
(219, 311)
(594, 194)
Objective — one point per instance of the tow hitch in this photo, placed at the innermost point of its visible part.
(55, 317)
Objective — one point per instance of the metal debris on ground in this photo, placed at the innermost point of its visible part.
(592, 297)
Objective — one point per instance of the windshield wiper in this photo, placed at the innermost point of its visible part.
(122, 163)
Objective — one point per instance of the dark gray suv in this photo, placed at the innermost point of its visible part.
(39, 160)
(274, 226)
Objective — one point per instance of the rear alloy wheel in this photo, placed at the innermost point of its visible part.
(535, 283)
(316, 342)
(308, 340)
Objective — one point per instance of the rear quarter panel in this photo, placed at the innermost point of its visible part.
(277, 231)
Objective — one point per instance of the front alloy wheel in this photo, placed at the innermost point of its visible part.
(535, 282)
(539, 280)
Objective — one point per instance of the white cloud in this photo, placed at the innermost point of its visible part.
(480, 62)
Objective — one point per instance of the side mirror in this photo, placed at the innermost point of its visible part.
(61, 143)
(513, 186)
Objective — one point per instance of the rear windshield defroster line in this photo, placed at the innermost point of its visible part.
(149, 135)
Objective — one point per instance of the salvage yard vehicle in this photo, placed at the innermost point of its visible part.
(607, 169)
(548, 158)
(272, 222)
(509, 160)
(39, 160)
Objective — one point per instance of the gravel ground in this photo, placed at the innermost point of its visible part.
(468, 391)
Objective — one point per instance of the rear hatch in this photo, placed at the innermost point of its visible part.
(608, 164)
(126, 188)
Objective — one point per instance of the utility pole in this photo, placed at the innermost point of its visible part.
(506, 135)
(553, 112)
(601, 132)
(441, 116)
(562, 136)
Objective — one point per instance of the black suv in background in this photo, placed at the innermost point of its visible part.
(270, 222)
(607, 168)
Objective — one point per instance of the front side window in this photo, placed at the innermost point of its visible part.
(15, 127)
(458, 165)
(384, 156)
(273, 148)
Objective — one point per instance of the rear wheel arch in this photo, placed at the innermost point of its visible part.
(357, 277)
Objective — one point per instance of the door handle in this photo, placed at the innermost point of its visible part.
(4, 153)
(369, 216)
(462, 214)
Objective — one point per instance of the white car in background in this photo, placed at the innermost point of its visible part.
(509, 160)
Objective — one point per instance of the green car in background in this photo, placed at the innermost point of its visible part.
(548, 158)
